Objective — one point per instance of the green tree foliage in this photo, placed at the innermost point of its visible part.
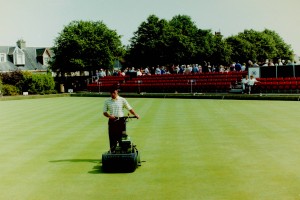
(14, 78)
(161, 42)
(282, 49)
(41, 84)
(182, 43)
(11, 83)
(86, 46)
(148, 45)
(242, 50)
(26, 81)
(221, 51)
(178, 41)
(10, 90)
(258, 46)
(1, 86)
(205, 43)
(23, 81)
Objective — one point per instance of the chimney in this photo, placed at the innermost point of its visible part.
(21, 44)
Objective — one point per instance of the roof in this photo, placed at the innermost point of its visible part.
(31, 58)
(3, 49)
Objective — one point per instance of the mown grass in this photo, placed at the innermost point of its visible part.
(194, 149)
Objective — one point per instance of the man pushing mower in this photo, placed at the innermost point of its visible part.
(122, 154)
(113, 110)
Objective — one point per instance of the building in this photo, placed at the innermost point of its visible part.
(20, 57)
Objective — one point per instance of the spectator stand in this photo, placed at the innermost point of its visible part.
(172, 83)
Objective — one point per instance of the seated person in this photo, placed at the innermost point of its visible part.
(251, 83)
(244, 83)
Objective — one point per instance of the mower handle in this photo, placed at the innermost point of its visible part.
(130, 117)
(126, 117)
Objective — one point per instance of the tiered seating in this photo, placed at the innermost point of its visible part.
(280, 84)
(204, 82)
(106, 82)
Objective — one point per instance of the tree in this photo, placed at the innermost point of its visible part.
(204, 40)
(86, 46)
(148, 45)
(221, 51)
(179, 41)
(258, 46)
(282, 50)
(182, 40)
(242, 50)
(161, 42)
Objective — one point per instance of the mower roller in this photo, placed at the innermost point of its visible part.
(124, 158)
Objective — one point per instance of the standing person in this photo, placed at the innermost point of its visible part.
(113, 110)
(195, 69)
(102, 73)
(237, 67)
(243, 67)
(204, 66)
(139, 73)
(146, 71)
(157, 71)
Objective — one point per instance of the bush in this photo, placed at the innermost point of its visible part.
(41, 84)
(13, 78)
(24, 81)
(9, 90)
(1, 85)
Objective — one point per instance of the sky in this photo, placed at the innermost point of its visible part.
(39, 22)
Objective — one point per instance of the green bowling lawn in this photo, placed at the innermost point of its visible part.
(51, 148)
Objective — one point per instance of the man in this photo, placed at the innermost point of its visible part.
(251, 83)
(238, 67)
(244, 81)
(102, 73)
(113, 110)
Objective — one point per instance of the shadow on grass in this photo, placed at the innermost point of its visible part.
(78, 160)
(97, 169)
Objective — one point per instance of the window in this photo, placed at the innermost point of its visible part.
(2, 57)
(19, 57)
(46, 60)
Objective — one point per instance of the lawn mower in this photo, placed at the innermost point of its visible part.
(124, 158)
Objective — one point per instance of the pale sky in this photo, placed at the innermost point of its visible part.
(39, 22)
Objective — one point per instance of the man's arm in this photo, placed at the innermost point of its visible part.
(108, 115)
(128, 107)
(132, 112)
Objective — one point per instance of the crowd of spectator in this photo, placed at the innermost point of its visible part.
(175, 69)
(190, 68)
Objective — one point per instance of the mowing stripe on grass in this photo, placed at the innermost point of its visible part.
(194, 149)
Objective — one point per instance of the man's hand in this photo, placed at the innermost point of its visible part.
(111, 117)
(133, 113)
